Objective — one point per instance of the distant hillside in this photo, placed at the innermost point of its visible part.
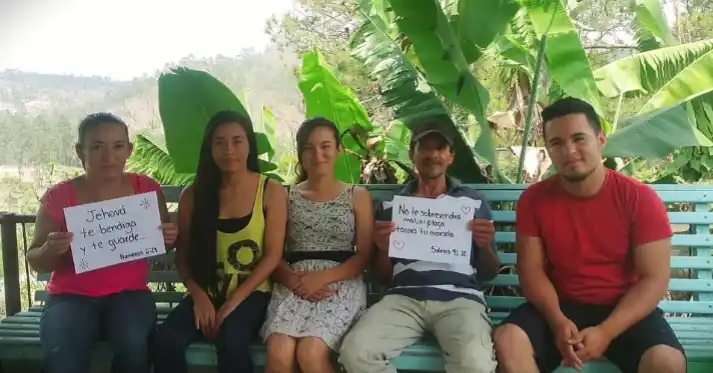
(39, 112)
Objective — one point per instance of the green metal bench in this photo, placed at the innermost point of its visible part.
(689, 311)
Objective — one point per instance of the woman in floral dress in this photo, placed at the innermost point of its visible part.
(319, 291)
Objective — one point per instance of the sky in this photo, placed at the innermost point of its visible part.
(122, 39)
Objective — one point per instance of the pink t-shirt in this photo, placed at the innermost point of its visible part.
(104, 281)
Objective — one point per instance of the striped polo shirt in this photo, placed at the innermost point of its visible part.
(423, 280)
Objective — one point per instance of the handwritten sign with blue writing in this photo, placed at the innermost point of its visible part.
(115, 231)
(434, 230)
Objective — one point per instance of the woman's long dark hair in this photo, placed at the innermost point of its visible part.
(202, 257)
(303, 133)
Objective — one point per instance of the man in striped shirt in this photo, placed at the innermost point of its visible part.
(441, 298)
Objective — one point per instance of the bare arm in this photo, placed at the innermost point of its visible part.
(185, 209)
(364, 219)
(488, 263)
(537, 287)
(383, 266)
(653, 263)
(40, 258)
(275, 226)
(163, 212)
(282, 273)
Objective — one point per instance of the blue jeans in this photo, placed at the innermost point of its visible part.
(236, 333)
(72, 323)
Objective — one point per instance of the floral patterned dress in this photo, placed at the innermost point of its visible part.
(318, 226)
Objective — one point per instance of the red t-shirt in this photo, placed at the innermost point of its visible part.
(588, 241)
(104, 281)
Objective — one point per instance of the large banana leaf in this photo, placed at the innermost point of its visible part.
(567, 62)
(481, 21)
(396, 138)
(693, 81)
(652, 29)
(151, 158)
(446, 68)
(402, 86)
(325, 96)
(187, 100)
(648, 72)
(476, 23)
(267, 126)
(655, 134)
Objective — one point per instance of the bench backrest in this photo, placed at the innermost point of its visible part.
(691, 286)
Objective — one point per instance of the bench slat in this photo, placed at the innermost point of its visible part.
(683, 262)
(676, 217)
(689, 240)
(676, 284)
(702, 325)
(494, 302)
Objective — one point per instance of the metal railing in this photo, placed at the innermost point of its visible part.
(12, 227)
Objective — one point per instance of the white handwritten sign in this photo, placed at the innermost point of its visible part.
(434, 230)
(115, 231)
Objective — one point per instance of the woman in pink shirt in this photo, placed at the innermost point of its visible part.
(113, 302)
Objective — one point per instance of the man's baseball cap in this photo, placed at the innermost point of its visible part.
(433, 126)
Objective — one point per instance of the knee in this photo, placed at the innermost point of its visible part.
(132, 342)
(356, 350)
(281, 352)
(663, 359)
(312, 353)
(510, 340)
(473, 354)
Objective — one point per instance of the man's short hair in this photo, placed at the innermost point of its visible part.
(571, 105)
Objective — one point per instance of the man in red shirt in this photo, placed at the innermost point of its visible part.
(593, 256)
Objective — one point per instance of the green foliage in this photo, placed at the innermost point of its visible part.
(567, 62)
(150, 157)
(402, 86)
(267, 126)
(326, 97)
(652, 31)
(445, 65)
(187, 100)
(479, 22)
(655, 134)
(649, 71)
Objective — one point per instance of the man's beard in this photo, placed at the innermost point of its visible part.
(578, 178)
(430, 175)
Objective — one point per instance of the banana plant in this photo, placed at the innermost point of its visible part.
(566, 61)
(413, 70)
(151, 158)
(675, 75)
(402, 85)
(325, 96)
(187, 100)
(386, 147)
(651, 27)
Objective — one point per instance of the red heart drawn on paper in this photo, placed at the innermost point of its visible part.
(465, 209)
(398, 244)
